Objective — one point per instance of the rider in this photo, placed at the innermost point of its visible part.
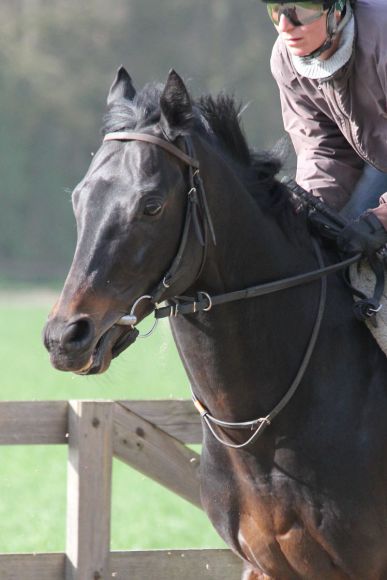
(330, 64)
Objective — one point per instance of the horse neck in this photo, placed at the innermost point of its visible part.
(252, 245)
(244, 351)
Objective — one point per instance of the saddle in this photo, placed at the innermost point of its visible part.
(364, 280)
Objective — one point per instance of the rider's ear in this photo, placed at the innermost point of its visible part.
(122, 87)
(175, 105)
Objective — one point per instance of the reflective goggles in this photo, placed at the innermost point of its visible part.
(299, 13)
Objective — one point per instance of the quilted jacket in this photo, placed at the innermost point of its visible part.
(339, 122)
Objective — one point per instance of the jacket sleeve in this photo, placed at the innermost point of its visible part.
(326, 163)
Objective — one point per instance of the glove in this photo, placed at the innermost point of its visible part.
(365, 235)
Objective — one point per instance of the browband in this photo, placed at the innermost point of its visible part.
(133, 136)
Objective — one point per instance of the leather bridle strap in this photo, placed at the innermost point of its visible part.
(259, 425)
(148, 138)
(197, 211)
(204, 302)
(197, 204)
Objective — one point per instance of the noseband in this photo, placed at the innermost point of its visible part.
(198, 212)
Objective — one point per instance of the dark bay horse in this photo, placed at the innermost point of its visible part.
(308, 498)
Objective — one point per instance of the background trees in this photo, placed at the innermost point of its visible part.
(58, 58)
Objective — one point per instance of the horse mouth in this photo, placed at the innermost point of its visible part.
(86, 346)
(110, 345)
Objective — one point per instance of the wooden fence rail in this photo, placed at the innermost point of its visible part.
(150, 436)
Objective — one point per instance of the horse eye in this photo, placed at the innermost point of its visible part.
(152, 208)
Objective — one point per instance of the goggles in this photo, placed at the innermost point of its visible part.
(299, 13)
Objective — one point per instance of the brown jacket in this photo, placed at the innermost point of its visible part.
(336, 123)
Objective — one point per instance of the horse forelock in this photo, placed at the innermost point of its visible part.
(143, 110)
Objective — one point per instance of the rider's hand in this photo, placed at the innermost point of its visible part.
(364, 235)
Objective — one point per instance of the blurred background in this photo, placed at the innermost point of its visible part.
(58, 59)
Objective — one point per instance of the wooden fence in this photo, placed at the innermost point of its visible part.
(147, 435)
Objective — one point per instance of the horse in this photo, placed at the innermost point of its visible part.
(176, 204)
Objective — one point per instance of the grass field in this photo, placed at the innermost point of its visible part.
(33, 479)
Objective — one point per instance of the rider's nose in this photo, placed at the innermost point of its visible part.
(77, 335)
(284, 24)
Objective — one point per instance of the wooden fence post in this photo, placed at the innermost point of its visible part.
(152, 451)
(148, 435)
(89, 490)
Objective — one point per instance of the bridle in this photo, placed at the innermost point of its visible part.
(198, 215)
(197, 210)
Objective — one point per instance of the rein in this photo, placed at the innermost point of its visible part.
(198, 213)
(260, 424)
(203, 302)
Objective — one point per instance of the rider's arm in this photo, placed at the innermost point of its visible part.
(329, 167)
(326, 163)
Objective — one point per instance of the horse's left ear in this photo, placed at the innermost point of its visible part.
(175, 105)
(122, 87)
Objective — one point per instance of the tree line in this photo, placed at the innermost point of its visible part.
(58, 58)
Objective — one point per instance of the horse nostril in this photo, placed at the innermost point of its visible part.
(77, 335)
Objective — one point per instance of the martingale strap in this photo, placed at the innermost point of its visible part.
(260, 424)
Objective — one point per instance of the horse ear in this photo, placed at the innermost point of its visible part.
(175, 105)
(122, 87)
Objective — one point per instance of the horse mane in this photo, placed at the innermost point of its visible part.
(259, 168)
(218, 118)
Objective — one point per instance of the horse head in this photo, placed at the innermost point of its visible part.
(129, 210)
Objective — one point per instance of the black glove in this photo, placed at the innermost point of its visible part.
(365, 235)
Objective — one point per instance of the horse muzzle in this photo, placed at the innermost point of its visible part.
(76, 345)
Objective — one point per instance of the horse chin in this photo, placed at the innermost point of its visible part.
(111, 344)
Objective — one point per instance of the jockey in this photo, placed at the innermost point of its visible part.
(330, 64)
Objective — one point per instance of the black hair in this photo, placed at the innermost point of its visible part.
(219, 119)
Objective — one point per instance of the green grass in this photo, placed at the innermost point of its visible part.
(33, 479)
(149, 369)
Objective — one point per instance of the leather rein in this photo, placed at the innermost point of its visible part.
(198, 215)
